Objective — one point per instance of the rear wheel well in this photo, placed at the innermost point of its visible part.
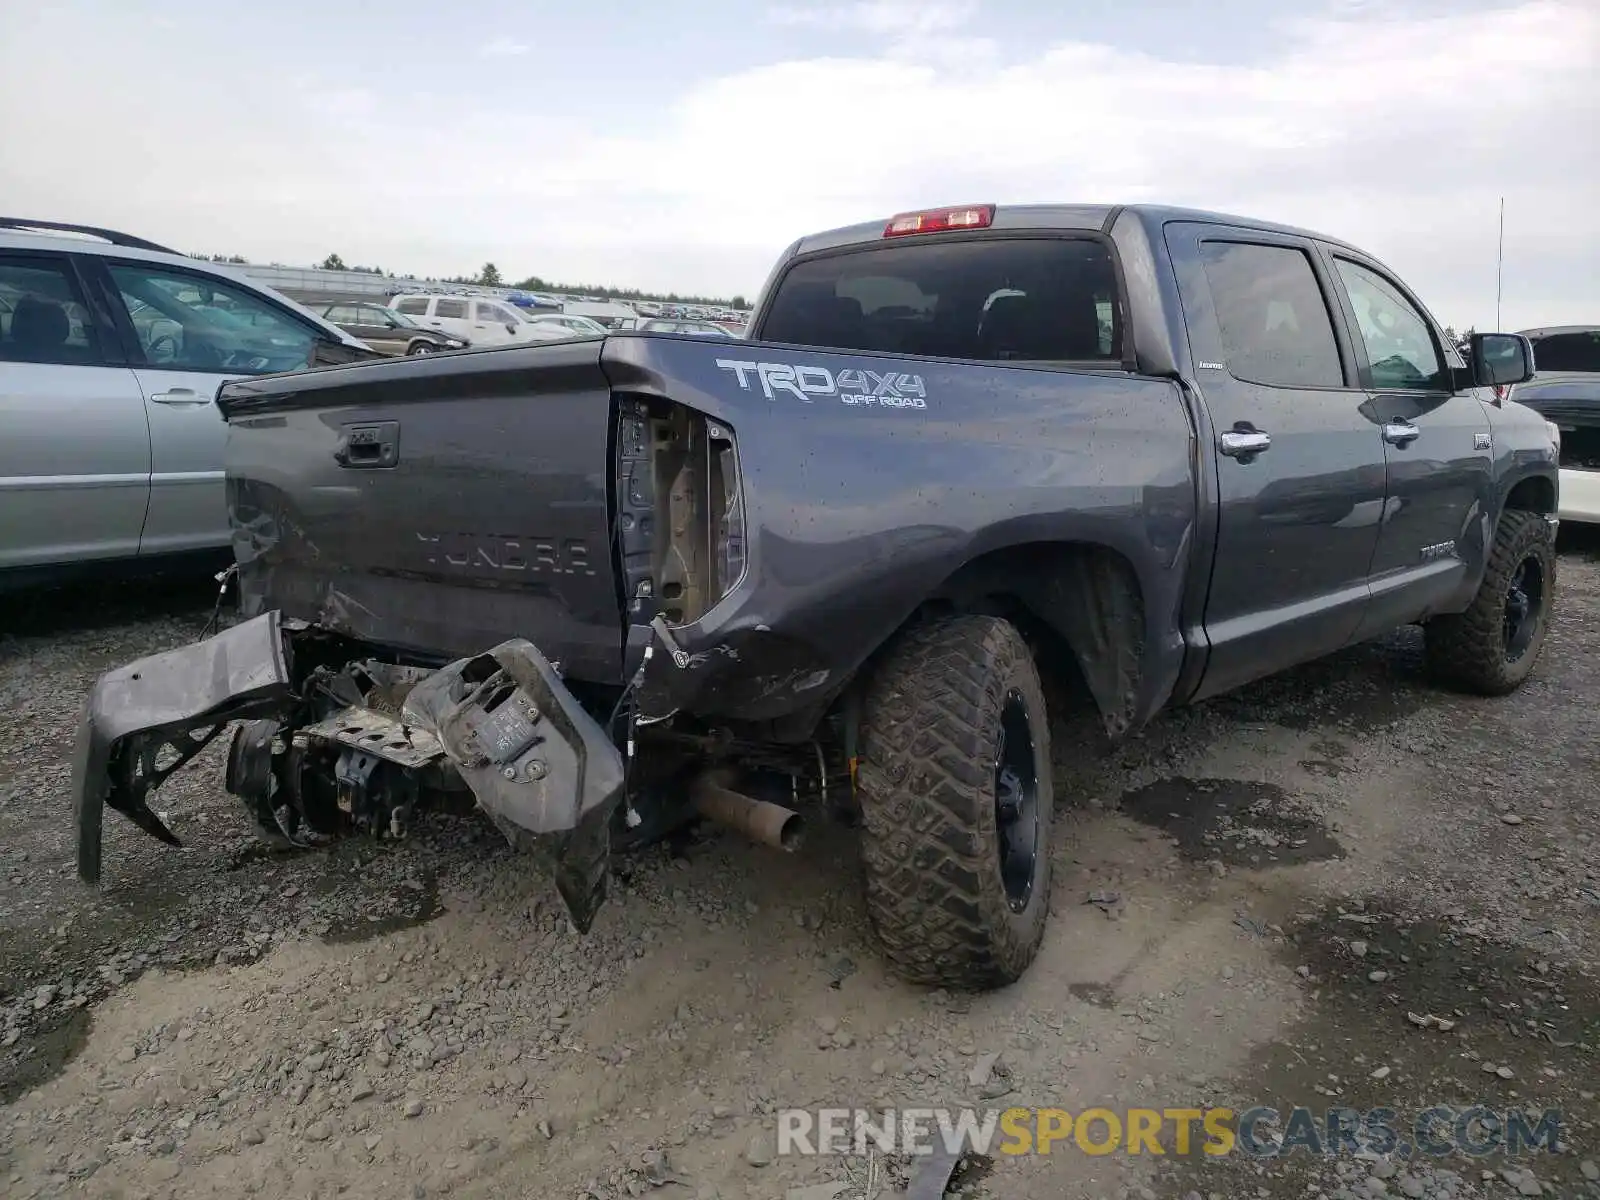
(1536, 494)
(1080, 606)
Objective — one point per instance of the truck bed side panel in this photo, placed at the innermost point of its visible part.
(856, 511)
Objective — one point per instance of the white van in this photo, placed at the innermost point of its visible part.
(481, 322)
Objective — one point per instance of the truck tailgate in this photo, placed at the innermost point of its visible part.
(439, 505)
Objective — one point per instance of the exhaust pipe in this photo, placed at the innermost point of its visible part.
(770, 824)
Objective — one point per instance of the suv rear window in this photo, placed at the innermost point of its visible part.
(1036, 299)
(1568, 352)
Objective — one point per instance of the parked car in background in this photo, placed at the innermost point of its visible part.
(606, 313)
(566, 324)
(675, 325)
(112, 349)
(470, 318)
(388, 331)
(1565, 389)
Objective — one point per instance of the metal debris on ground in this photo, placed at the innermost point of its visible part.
(933, 1174)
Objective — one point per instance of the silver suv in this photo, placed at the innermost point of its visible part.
(111, 352)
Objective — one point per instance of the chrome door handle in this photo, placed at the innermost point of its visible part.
(1400, 433)
(180, 396)
(1240, 443)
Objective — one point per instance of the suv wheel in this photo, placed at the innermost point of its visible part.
(956, 798)
(1492, 646)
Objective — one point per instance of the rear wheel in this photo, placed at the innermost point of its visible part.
(956, 800)
(1492, 647)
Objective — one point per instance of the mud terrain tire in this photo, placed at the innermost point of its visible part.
(1475, 650)
(938, 813)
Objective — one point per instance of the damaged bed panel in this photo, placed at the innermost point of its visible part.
(853, 515)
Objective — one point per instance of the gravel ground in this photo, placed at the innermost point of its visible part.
(1339, 887)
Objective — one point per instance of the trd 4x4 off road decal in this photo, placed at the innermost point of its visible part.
(888, 389)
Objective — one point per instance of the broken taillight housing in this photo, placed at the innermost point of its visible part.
(727, 498)
(940, 220)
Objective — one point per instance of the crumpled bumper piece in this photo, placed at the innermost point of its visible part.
(519, 738)
(536, 760)
(136, 710)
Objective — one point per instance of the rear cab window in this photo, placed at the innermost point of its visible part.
(989, 299)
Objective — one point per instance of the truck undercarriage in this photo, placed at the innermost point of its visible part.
(334, 739)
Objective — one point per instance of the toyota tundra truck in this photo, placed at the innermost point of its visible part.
(599, 589)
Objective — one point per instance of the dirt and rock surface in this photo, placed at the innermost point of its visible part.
(1340, 887)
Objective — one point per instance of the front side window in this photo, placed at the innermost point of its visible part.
(198, 322)
(41, 318)
(450, 308)
(1033, 299)
(416, 306)
(1400, 346)
(1274, 322)
(345, 314)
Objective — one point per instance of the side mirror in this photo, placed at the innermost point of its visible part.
(1500, 359)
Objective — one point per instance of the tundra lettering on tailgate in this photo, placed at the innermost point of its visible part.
(806, 381)
(501, 552)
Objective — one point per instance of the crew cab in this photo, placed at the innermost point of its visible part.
(600, 588)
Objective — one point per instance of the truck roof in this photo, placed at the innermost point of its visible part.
(1061, 217)
(1545, 331)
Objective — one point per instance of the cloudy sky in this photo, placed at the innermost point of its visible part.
(682, 143)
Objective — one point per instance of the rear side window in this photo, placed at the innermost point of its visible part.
(1274, 321)
(41, 317)
(991, 299)
(450, 308)
(1568, 352)
(415, 307)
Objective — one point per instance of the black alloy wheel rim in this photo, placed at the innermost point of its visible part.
(1016, 801)
(1524, 607)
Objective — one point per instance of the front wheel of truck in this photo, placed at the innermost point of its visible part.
(1491, 648)
(956, 796)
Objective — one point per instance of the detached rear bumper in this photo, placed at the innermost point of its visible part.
(162, 701)
(1580, 495)
(501, 722)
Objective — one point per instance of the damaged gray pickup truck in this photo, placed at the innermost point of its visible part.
(601, 588)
